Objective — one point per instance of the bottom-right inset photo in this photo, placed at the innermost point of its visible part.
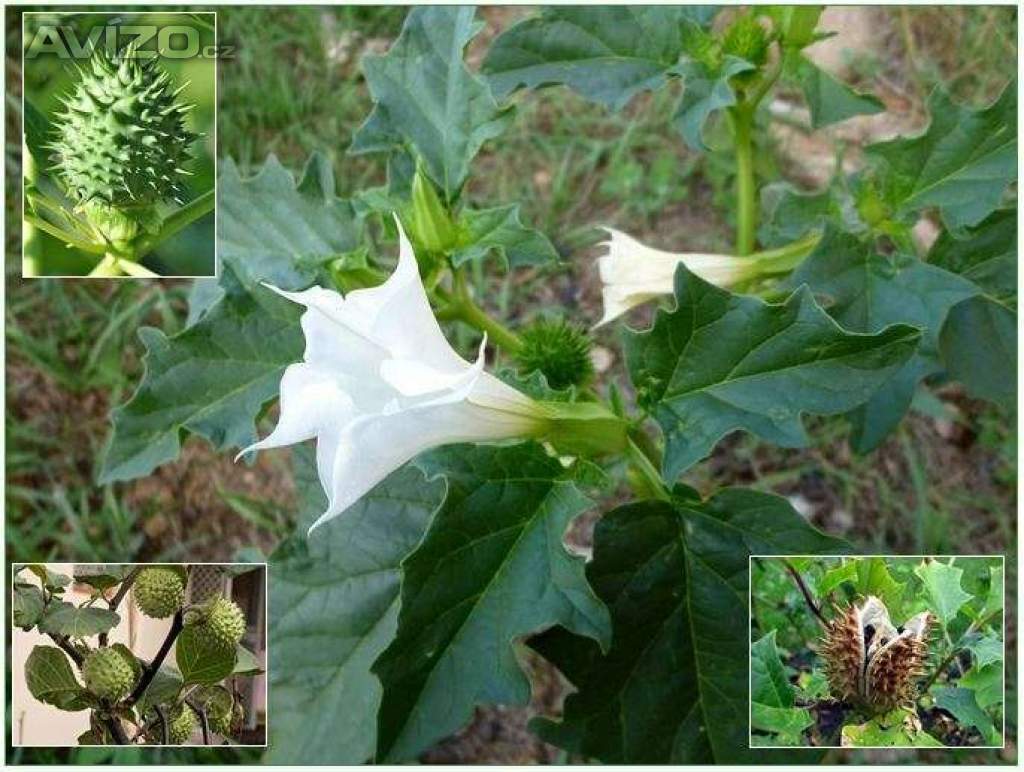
(877, 651)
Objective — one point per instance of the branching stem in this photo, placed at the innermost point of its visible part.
(150, 670)
(806, 593)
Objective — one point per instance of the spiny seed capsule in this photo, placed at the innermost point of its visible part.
(221, 620)
(558, 349)
(182, 721)
(159, 591)
(121, 142)
(108, 674)
(871, 663)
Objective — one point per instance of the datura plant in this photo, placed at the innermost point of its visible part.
(120, 150)
(454, 448)
(132, 700)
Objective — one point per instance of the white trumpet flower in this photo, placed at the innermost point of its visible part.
(379, 383)
(633, 273)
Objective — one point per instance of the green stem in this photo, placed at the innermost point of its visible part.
(461, 307)
(106, 268)
(132, 268)
(646, 481)
(746, 187)
(179, 219)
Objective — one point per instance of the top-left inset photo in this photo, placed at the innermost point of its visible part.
(119, 141)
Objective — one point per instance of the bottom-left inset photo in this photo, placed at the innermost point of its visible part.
(138, 654)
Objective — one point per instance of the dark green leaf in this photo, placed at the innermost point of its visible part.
(706, 91)
(674, 688)
(77, 621)
(424, 96)
(50, 679)
(790, 214)
(333, 610)
(607, 54)
(721, 362)
(103, 577)
(987, 255)
(873, 578)
(829, 100)
(500, 230)
(200, 659)
(979, 349)
(867, 292)
(27, 605)
(491, 568)
(847, 572)
(962, 163)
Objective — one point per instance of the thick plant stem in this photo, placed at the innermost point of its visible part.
(746, 187)
(111, 265)
(462, 307)
(645, 479)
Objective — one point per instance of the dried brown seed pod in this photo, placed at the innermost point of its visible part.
(871, 663)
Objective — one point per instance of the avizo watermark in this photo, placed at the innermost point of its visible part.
(172, 41)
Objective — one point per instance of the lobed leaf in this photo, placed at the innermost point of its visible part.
(961, 164)
(673, 688)
(867, 292)
(334, 609)
(607, 54)
(425, 97)
(490, 569)
(720, 362)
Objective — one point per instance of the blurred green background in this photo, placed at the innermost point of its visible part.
(48, 76)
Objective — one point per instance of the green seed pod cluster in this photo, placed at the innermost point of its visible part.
(558, 349)
(747, 39)
(221, 620)
(220, 719)
(159, 592)
(121, 141)
(108, 674)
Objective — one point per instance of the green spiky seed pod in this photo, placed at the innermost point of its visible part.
(747, 39)
(159, 592)
(702, 46)
(220, 720)
(558, 349)
(222, 621)
(121, 141)
(108, 674)
(181, 723)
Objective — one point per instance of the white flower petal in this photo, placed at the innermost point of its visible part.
(311, 400)
(374, 446)
(633, 273)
